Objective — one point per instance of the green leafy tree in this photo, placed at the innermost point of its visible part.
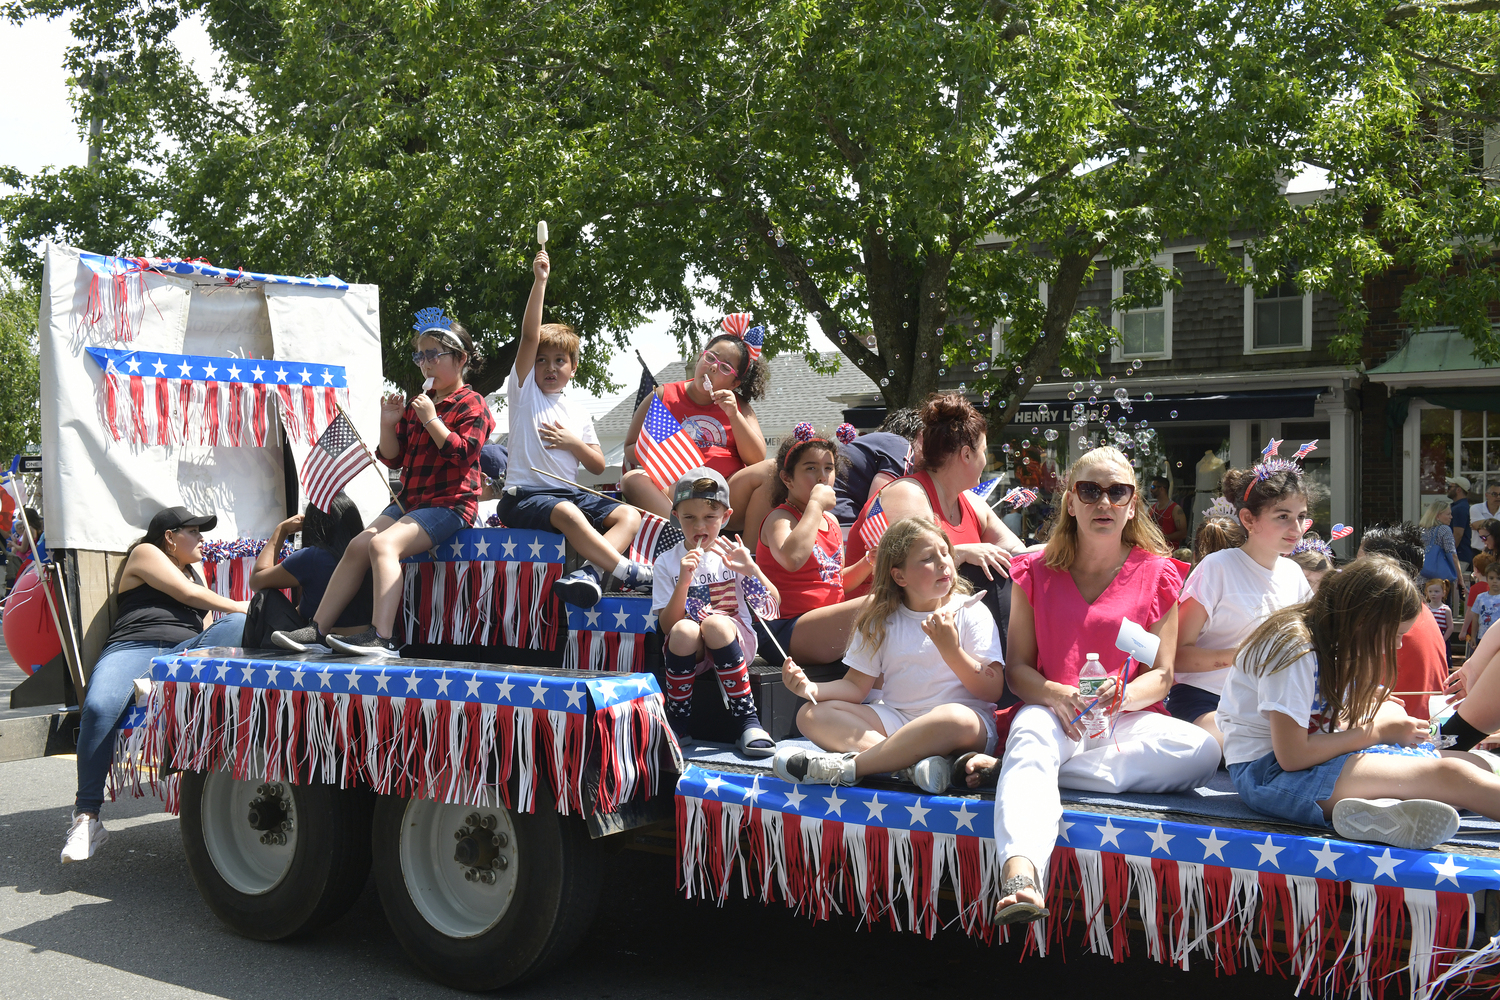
(20, 414)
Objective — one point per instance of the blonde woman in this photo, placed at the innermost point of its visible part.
(1439, 553)
(1106, 561)
(939, 652)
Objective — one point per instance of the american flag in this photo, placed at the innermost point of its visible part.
(874, 527)
(1019, 497)
(656, 535)
(648, 381)
(664, 449)
(337, 458)
(984, 489)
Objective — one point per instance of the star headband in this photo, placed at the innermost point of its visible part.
(737, 325)
(1219, 508)
(1270, 463)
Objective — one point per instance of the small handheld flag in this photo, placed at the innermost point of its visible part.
(874, 526)
(664, 449)
(1019, 497)
(984, 489)
(648, 381)
(338, 457)
(655, 536)
(1340, 531)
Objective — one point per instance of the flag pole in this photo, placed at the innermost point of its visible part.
(373, 461)
(580, 486)
(645, 367)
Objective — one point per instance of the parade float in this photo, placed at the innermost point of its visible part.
(479, 777)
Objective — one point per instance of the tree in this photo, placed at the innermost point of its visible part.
(20, 390)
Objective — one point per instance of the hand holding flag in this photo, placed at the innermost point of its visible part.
(664, 449)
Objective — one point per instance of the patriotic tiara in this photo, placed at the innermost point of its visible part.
(1271, 463)
(1219, 508)
(431, 319)
(737, 325)
(1311, 543)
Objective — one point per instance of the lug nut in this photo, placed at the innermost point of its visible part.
(470, 875)
(473, 819)
(502, 862)
(489, 823)
(263, 790)
(488, 878)
(501, 839)
(458, 835)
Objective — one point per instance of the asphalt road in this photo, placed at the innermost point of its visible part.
(130, 924)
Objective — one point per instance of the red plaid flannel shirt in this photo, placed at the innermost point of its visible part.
(446, 477)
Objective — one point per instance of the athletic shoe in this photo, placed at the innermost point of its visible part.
(300, 640)
(1491, 761)
(931, 774)
(814, 767)
(85, 836)
(1414, 824)
(579, 588)
(366, 643)
(637, 577)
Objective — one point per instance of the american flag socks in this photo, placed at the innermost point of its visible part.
(681, 670)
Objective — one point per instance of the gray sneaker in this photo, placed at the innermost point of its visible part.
(1413, 824)
(931, 774)
(366, 643)
(579, 588)
(299, 640)
(815, 767)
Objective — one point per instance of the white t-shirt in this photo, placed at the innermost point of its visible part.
(530, 407)
(917, 679)
(714, 587)
(1478, 512)
(1248, 700)
(485, 509)
(1238, 593)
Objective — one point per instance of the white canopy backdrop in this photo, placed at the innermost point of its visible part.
(101, 492)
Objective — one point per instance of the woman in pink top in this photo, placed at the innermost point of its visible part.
(1106, 561)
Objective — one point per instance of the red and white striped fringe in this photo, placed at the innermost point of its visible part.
(230, 577)
(1234, 917)
(147, 410)
(116, 302)
(483, 602)
(623, 652)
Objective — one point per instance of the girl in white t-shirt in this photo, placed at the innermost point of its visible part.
(1312, 734)
(1233, 590)
(939, 651)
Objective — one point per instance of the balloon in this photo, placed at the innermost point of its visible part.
(29, 633)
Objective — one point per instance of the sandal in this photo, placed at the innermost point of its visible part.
(988, 776)
(755, 734)
(1019, 912)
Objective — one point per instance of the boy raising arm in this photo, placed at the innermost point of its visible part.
(553, 433)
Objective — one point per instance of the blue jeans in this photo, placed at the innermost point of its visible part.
(111, 686)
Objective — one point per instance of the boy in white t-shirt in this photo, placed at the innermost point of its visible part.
(552, 433)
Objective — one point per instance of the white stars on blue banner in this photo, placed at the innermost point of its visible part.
(499, 545)
(198, 368)
(614, 613)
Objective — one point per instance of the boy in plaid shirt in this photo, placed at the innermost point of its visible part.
(553, 433)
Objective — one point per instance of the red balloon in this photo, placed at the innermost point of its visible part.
(29, 633)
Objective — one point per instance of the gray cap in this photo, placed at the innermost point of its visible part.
(683, 489)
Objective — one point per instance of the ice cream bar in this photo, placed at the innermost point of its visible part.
(541, 232)
(427, 384)
(708, 386)
(976, 599)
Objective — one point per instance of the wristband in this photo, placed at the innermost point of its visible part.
(429, 420)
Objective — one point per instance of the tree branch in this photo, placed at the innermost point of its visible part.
(1408, 10)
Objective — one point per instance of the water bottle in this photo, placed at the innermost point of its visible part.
(1090, 679)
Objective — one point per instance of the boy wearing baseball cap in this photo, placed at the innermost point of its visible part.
(703, 590)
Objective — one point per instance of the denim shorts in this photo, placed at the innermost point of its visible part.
(1190, 703)
(532, 510)
(440, 523)
(1289, 795)
(782, 629)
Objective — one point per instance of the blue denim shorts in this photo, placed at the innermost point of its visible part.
(1190, 703)
(440, 523)
(532, 510)
(1289, 795)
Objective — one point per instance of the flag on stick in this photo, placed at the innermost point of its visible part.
(648, 381)
(664, 449)
(337, 457)
(655, 536)
(874, 527)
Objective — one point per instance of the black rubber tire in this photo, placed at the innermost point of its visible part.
(557, 894)
(329, 869)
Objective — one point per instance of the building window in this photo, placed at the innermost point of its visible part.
(1145, 332)
(1279, 319)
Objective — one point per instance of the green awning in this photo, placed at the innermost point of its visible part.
(1439, 351)
(1424, 369)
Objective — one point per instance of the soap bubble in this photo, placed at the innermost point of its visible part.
(1136, 364)
(1067, 373)
(1072, 395)
(942, 371)
(1077, 386)
(400, 229)
(702, 213)
(924, 354)
(891, 372)
(449, 288)
(1021, 380)
(1149, 397)
(1111, 380)
(962, 387)
(1005, 447)
(1122, 421)
(1093, 400)
(885, 381)
(1033, 430)
(1121, 395)
(879, 230)
(1173, 414)
(1051, 434)
(1179, 465)
(1083, 442)
(1026, 442)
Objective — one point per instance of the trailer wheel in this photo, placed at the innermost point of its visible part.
(481, 897)
(273, 859)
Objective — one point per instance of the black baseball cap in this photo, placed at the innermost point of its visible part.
(179, 517)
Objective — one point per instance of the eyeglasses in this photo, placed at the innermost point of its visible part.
(1119, 493)
(429, 356)
(718, 364)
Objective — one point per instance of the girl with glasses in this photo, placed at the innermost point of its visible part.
(714, 408)
(1232, 591)
(1105, 561)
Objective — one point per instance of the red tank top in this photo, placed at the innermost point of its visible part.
(818, 582)
(708, 428)
(1164, 518)
(962, 533)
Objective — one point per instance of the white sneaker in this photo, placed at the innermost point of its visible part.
(1413, 824)
(801, 766)
(85, 836)
(931, 774)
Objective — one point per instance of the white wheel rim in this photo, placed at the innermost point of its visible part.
(441, 888)
(234, 846)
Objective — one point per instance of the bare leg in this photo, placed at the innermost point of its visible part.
(1448, 779)
(596, 548)
(620, 528)
(1208, 722)
(348, 575)
(840, 726)
(938, 733)
(1020, 866)
(822, 634)
(685, 639)
(404, 538)
(750, 496)
(641, 491)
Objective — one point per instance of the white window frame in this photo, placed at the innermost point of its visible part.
(1117, 318)
(1307, 310)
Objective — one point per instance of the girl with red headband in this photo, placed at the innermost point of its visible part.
(713, 407)
(801, 551)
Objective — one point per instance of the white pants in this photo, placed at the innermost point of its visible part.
(1148, 752)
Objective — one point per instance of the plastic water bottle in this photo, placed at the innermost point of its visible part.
(1090, 679)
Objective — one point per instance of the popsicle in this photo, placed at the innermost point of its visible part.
(428, 383)
(541, 233)
(708, 386)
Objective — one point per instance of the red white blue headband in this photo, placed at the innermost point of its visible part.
(804, 433)
(1270, 464)
(737, 325)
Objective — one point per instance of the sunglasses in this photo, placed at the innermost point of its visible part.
(718, 364)
(1119, 493)
(429, 356)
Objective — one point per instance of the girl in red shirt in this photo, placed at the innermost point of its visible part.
(714, 407)
(801, 551)
(434, 440)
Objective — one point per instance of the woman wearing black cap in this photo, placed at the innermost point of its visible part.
(161, 603)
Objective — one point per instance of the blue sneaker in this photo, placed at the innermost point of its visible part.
(637, 576)
(580, 588)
